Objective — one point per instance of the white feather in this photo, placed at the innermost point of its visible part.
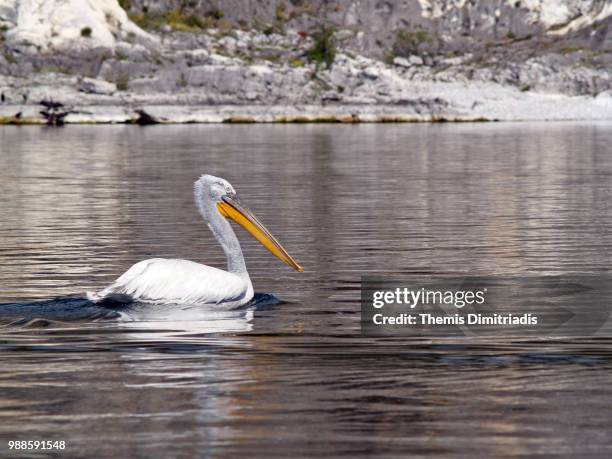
(159, 280)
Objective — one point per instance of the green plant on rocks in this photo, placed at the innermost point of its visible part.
(122, 82)
(175, 19)
(281, 13)
(408, 42)
(323, 50)
(194, 22)
(8, 57)
(215, 13)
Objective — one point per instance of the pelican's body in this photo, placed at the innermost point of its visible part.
(174, 281)
(160, 280)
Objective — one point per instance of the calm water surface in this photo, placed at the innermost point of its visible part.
(79, 205)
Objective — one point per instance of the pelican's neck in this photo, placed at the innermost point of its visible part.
(226, 237)
(224, 234)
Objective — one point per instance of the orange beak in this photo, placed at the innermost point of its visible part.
(232, 209)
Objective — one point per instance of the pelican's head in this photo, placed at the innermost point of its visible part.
(220, 193)
(214, 188)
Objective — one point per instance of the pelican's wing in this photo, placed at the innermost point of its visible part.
(178, 281)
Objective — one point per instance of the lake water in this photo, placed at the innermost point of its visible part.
(80, 204)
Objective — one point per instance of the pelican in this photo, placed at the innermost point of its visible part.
(171, 281)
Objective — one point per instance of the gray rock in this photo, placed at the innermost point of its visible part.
(370, 73)
(402, 62)
(415, 60)
(93, 86)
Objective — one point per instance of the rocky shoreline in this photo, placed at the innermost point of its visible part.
(187, 70)
(501, 107)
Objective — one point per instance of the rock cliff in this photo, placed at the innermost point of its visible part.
(345, 60)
